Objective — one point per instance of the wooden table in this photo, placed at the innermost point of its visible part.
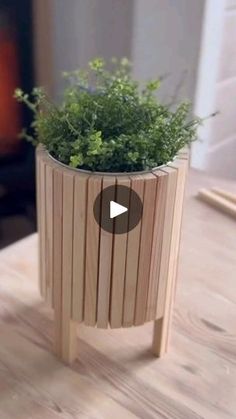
(116, 375)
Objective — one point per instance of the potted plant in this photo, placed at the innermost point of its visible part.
(99, 140)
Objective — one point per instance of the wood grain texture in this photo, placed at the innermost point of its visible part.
(166, 240)
(49, 233)
(218, 202)
(158, 230)
(182, 168)
(145, 253)
(39, 222)
(42, 212)
(225, 194)
(68, 326)
(132, 259)
(92, 254)
(79, 243)
(119, 264)
(105, 260)
(57, 257)
(162, 328)
(116, 376)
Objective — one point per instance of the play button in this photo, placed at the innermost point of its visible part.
(117, 209)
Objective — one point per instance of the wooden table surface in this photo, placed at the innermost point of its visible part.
(116, 375)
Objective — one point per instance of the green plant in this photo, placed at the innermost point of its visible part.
(113, 125)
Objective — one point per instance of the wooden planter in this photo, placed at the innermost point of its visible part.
(105, 280)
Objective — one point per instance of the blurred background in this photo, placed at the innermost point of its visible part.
(191, 44)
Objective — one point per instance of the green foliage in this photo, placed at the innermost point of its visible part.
(113, 125)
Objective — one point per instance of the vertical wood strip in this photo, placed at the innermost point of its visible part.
(39, 223)
(149, 203)
(57, 257)
(133, 244)
(43, 225)
(105, 260)
(162, 327)
(79, 243)
(176, 233)
(68, 327)
(166, 240)
(49, 234)
(157, 342)
(119, 263)
(92, 254)
(183, 154)
(157, 244)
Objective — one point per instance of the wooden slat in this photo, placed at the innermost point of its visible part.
(68, 326)
(149, 203)
(42, 212)
(163, 327)
(80, 217)
(118, 264)
(92, 254)
(182, 154)
(158, 229)
(230, 196)
(39, 223)
(175, 245)
(57, 257)
(157, 343)
(218, 202)
(105, 260)
(131, 273)
(49, 234)
(166, 240)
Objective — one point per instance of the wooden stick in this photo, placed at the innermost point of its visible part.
(225, 194)
(217, 202)
(178, 213)
(42, 212)
(105, 260)
(158, 343)
(57, 259)
(49, 234)
(92, 254)
(118, 265)
(132, 258)
(165, 284)
(68, 326)
(157, 244)
(79, 240)
(166, 241)
(149, 204)
(39, 222)
(162, 327)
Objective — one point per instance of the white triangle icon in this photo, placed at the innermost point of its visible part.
(116, 209)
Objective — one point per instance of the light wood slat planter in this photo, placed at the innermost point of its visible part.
(105, 280)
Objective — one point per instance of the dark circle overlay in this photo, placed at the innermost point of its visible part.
(125, 196)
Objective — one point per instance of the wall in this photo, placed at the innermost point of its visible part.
(160, 36)
(85, 29)
(166, 41)
(222, 141)
(216, 91)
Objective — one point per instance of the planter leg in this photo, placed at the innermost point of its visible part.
(69, 342)
(160, 336)
(65, 338)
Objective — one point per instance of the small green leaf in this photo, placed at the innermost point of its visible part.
(76, 161)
